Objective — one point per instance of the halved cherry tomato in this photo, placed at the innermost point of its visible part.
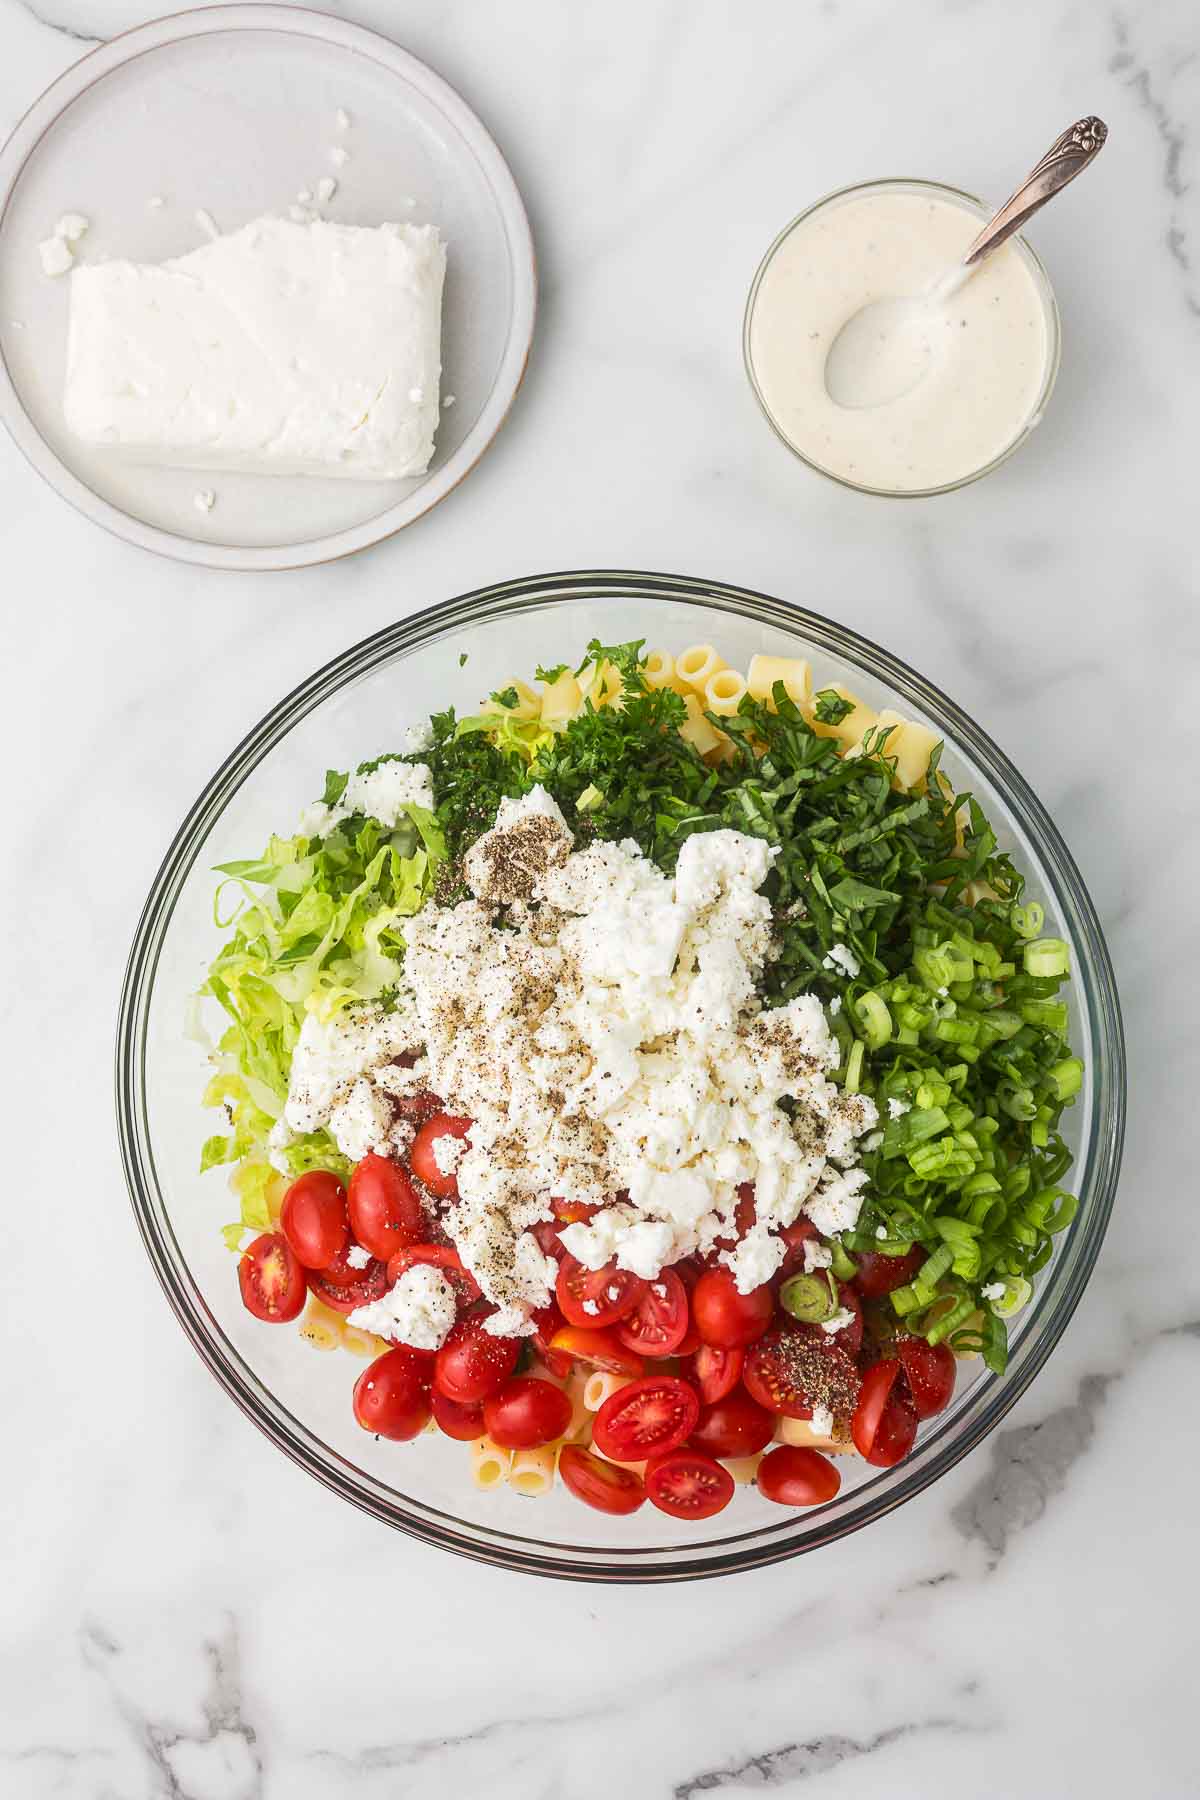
(645, 1418)
(391, 1396)
(795, 1236)
(313, 1218)
(885, 1419)
(456, 1419)
(726, 1318)
(850, 1336)
(416, 1107)
(548, 1321)
(423, 1161)
(472, 1364)
(794, 1476)
(600, 1484)
(572, 1212)
(368, 1284)
(545, 1233)
(435, 1256)
(878, 1275)
(930, 1369)
(527, 1413)
(688, 1484)
(743, 1216)
(271, 1279)
(715, 1373)
(776, 1369)
(385, 1208)
(690, 1342)
(599, 1349)
(735, 1426)
(658, 1323)
(340, 1271)
(593, 1298)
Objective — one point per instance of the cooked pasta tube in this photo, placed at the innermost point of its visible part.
(801, 1433)
(489, 1462)
(362, 1343)
(793, 671)
(600, 1386)
(853, 728)
(531, 1472)
(696, 729)
(562, 699)
(696, 664)
(528, 705)
(658, 669)
(723, 692)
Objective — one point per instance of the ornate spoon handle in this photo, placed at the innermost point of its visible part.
(1063, 161)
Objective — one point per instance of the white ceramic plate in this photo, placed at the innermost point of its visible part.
(234, 110)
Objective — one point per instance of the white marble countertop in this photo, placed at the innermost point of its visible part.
(186, 1614)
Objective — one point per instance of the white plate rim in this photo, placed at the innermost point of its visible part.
(94, 66)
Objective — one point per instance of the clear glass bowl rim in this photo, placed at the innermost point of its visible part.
(991, 1396)
(1054, 326)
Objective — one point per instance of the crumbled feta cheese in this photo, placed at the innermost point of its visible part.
(837, 1203)
(72, 226)
(204, 500)
(206, 222)
(357, 1257)
(362, 1121)
(843, 958)
(339, 156)
(450, 400)
(343, 119)
(822, 1422)
(416, 395)
(529, 838)
(897, 1108)
(326, 189)
(816, 1256)
(419, 1310)
(448, 1152)
(835, 1006)
(339, 1075)
(381, 793)
(416, 739)
(304, 196)
(301, 215)
(995, 1290)
(280, 1138)
(841, 1318)
(155, 201)
(881, 1231)
(56, 254)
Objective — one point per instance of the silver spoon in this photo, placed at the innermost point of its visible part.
(886, 348)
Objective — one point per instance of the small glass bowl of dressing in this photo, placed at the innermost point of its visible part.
(989, 364)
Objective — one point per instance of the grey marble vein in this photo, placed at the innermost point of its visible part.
(1029, 1465)
(793, 1763)
(67, 31)
(1173, 137)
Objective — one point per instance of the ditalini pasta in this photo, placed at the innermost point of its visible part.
(793, 671)
(697, 731)
(696, 664)
(489, 1463)
(561, 699)
(601, 1386)
(531, 1472)
(800, 1433)
(723, 691)
(851, 729)
(659, 669)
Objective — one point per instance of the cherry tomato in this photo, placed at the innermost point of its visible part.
(313, 1218)
(658, 1323)
(391, 1396)
(735, 1426)
(435, 1256)
(885, 1419)
(456, 1419)
(795, 1236)
(778, 1368)
(878, 1275)
(423, 1161)
(930, 1369)
(572, 1212)
(850, 1336)
(599, 1349)
(645, 1418)
(600, 1484)
(385, 1209)
(593, 1298)
(792, 1476)
(526, 1413)
(339, 1271)
(715, 1373)
(271, 1279)
(472, 1364)
(548, 1321)
(726, 1318)
(688, 1484)
(343, 1296)
(416, 1107)
(743, 1216)
(545, 1232)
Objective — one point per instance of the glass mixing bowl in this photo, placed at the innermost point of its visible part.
(355, 708)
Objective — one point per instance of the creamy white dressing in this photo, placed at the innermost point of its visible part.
(930, 392)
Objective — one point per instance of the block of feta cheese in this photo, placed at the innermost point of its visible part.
(282, 348)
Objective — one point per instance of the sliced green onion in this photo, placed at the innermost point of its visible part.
(1017, 1293)
(854, 1063)
(1066, 1078)
(1027, 921)
(808, 1297)
(875, 1019)
(590, 800)
(843, 1266)
(1047, 957)
(950, 1321)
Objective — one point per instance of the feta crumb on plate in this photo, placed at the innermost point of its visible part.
(56, 254)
